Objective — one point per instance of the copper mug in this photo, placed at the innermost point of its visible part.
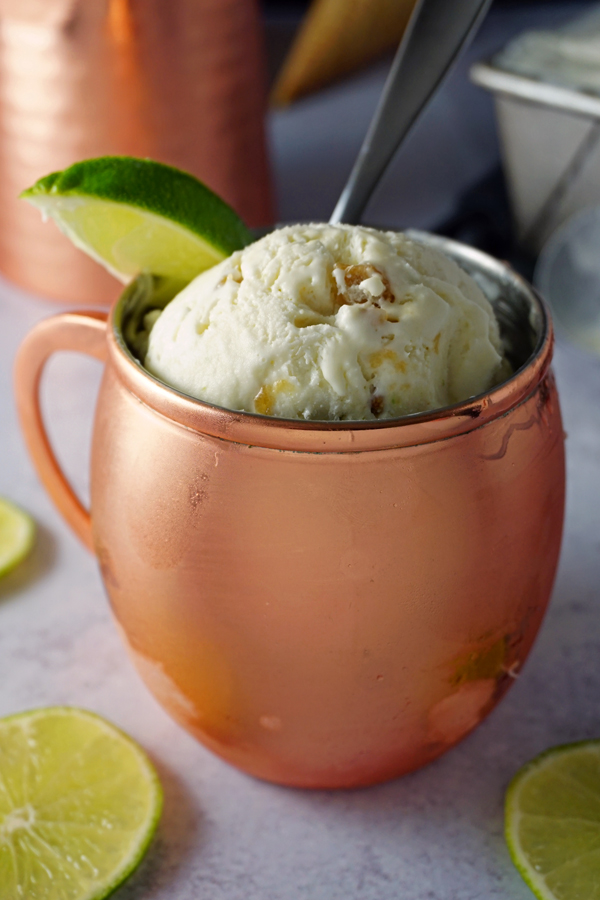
(322, 604)
(181, 81)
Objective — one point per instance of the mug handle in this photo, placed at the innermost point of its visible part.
(84, 332)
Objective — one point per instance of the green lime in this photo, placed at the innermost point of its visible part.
(553, 822)
(79, 803)
(17, 534)
(134, 215)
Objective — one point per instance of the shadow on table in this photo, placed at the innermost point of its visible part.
(440, 827)
(40, 561)
(176, 838)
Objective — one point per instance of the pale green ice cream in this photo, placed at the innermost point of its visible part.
(568, 56)
(333, 322)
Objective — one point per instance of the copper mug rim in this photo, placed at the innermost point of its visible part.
(319, 436)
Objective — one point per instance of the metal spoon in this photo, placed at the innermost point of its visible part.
(437, 32)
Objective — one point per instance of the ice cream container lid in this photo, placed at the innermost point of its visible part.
(521, 87)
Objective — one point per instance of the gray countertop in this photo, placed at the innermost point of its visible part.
(433, 835)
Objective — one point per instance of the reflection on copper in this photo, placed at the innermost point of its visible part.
(323, 604)
(181, 81)
(131, 119)
(120, 21)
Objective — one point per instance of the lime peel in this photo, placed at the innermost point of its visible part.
(17, 536)
(79, 804)
(552, 822)
(133, 215)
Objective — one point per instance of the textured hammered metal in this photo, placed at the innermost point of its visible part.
(180, 81)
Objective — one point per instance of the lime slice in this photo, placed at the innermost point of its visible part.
(79, 803)
(17, 533)
(553, 822)
(134, 215)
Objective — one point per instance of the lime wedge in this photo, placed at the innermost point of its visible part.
(553, 822)
(17, 534)
(134, 215)
(79, 803)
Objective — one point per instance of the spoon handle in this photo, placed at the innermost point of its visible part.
(436, 33)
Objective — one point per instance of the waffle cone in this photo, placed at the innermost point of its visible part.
(337, 37)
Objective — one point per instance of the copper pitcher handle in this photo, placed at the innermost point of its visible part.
(84, 332)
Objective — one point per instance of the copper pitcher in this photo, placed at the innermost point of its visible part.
(321, 604)
(180, 81)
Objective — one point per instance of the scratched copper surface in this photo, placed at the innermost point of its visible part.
(322, 604)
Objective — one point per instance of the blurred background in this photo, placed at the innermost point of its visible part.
(449, 175)
(268, 103)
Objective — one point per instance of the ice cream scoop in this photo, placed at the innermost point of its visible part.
(334, 322)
